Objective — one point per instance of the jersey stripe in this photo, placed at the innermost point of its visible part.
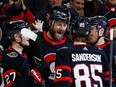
(63, 67)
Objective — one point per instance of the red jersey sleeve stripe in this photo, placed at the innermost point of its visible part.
(63, 67)
(69, 79)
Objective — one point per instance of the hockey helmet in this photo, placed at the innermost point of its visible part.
(59, 13)
(80, 26)
(100, 22)
(13, 27)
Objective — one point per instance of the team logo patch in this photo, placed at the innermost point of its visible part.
(12, 54)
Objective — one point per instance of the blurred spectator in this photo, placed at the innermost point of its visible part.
(37, 7)
(18, 11)
(55, 3)
(78, 6)
(1, 5)
(108, 8)
(41, 8)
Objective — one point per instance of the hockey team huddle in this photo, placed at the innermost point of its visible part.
(73, 52)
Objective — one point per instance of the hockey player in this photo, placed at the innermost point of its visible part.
(81, 65)
(14, 60)
(99, 26)
(49, 42)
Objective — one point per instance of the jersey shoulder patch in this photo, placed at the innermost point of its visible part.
(12, 54)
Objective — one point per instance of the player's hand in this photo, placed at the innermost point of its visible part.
(38, 25)
(41, 72)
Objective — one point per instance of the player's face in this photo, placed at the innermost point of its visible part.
(93, 36)
(57, 30)
(24, 41)
(113, 2)
(78, 4)
(55, 2)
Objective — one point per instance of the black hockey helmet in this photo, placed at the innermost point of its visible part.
(80, 26)
(59, 13)
(13, 27)
(100, 22)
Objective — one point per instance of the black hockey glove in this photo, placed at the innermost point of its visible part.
(41, 72)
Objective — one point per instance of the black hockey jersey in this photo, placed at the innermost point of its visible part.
(48, 48)
(81, 66)
(16, 69)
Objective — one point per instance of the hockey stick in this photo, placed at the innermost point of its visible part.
(111, 55)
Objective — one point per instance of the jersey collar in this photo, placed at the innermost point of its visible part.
(51, 41)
